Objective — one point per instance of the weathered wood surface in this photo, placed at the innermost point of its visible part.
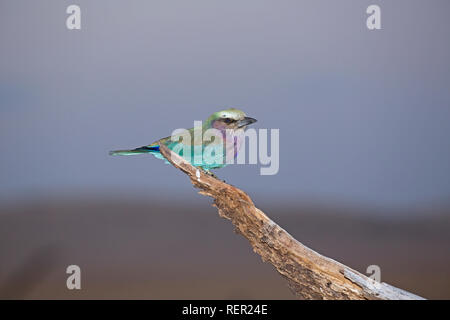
(309, 274)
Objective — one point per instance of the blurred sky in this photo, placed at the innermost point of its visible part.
(364, 116)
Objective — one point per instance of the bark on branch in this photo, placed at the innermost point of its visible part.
(309, 274)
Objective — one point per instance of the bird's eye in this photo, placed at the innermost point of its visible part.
(228, 120)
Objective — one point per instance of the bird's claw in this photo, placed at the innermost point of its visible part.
(211, 174)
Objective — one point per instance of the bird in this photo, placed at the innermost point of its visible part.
(229, 125)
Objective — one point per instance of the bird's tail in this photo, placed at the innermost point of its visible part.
(141, 150)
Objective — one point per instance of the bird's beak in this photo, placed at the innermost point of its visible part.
(245, 122)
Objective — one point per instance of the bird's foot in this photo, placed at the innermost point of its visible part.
(211, 174)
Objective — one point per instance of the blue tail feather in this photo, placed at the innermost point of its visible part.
(146, 149)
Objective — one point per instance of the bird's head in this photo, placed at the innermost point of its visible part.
(229, 119)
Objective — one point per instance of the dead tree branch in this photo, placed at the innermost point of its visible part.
(309, 274)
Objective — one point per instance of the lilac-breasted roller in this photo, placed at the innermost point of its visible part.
(204, 148)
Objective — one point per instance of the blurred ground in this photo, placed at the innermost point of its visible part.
(145, 249)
